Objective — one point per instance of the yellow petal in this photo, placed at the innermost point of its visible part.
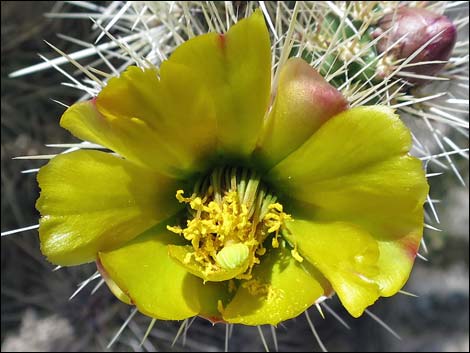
(398, 234)
(236, 67)
(92, 201)
(387, 200)
(353, 139)
(281, 288)
(355, 168)
(304, 101)
(131, 138)
(345, 254)
(397, 257)
(380, 189)
(164, 123)
(113, 287)
(157, 285)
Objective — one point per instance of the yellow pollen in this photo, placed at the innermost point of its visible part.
(256, 288)
(296, 255)
(228, 227)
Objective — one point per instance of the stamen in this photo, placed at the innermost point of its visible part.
(231, 214)
(296, 255)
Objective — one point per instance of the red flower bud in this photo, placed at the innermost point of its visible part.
(420, 26)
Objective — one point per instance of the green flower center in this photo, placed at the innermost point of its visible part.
(231, 213)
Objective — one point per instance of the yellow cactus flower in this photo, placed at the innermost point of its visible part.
(229, 199)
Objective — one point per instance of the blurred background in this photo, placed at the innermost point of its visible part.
(36, 313)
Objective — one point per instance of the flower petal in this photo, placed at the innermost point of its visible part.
(397, 257)
(163, 122)
(304, 101)
(398, 234)
(92, 201)
(379, 190)
(113, 287)
(387, 200)
(237, 70)
(281, 289)
(345, 254)
(356, 169)
(353, 139)
(157, 285)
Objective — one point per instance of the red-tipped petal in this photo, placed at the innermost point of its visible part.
(304, 101)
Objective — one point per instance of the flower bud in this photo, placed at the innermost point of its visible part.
(418, 26)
